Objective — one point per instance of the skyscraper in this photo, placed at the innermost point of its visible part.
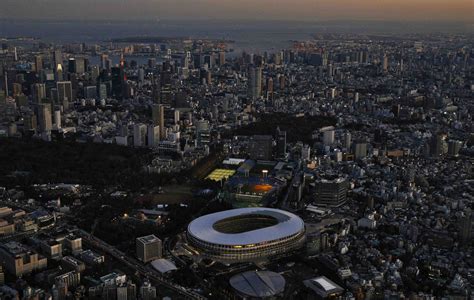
(385, 63)
(118, 81)
(158, 116)
(44, 117)
(360, 149)
(438, 145)
(38, 63)
(71, 65)
(104, 62)
(331, 192)
(221, 58)
(102, 91)
(59, 72)
(347, 140)
(153, 135)
(64, 93)
(139, 135)
(255, 82)
(270, 89)
(280, 143)
(57, 118)
(39, 91)
(203, 132)
(57, 58)
(328, 135)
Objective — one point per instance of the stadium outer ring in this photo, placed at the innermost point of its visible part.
(287, 234)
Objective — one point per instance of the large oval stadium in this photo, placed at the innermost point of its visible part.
(246, 234)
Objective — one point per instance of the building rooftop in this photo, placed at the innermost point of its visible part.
(148, 239)
(323, 285)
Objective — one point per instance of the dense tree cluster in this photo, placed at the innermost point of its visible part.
(297, 128)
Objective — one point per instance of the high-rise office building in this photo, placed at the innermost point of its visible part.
(102, 91)
(385, 62)
(38, 63)
(39, 91)
(158, 116)
(221, 58)
(44, 117)
(466, 226)
(280, 143)
(17, 89)
(454, 147)
(270, 88)
(31, 122)
(80, 65)
(57, 58)
(153, 135)
(203, 132)
(328, 135)
(59, 73)
(139, 135)
(306, 152)
(360, 149)
(104, 62)
(57, 119)
(118, 81)
(64, 93)
(90, 92)
(438, 145)
(255, 82)
(148, 248)
(331, 192)
(177, 116)
(71, 65)
(347, 140)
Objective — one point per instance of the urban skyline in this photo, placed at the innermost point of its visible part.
(145, 155)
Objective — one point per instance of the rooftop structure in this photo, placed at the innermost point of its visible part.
(323, 287)
(258, 284)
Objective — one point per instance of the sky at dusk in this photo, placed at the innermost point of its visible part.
(303, 10)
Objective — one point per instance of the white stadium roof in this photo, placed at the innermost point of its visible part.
(288, 225)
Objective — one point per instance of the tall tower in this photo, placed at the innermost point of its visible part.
(270, 89)
(280, 143)
(255, 82)
(59, 73)
(44, 117)
(39, 92)
(38, 63)
(57, 57)
(221, 58)
(64, 93)
(385, 63)
(158, 116)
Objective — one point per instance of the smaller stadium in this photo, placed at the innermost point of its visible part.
(249, 183)
(246, 234)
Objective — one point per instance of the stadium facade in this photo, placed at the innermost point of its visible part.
(246, 234)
